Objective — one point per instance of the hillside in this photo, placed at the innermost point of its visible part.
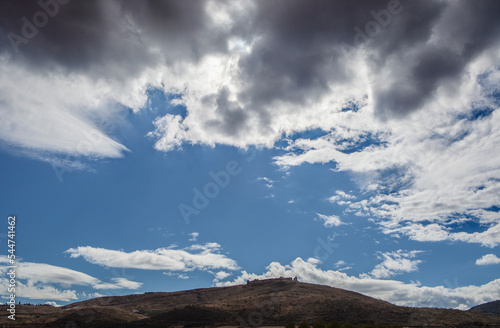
(272, 302)
(488, 308)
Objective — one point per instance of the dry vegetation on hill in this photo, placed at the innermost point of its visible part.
(273, 302)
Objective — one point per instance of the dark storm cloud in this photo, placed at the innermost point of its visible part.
(302, 48)
(112, 39)
(465, 29)
(299, 53)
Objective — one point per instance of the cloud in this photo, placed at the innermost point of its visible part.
(119, 283)
(342, 263)
(195, 257)
(488, 259)
(65, 85)
(422, 175)
(237, 67)
(408, 104)
(193, 236)
(341, 195)
(221, 275)
(39, 291)
(50, 274)
(395, 263)
(341, 198)
(43, 114)
(35, 281)
(178, 275)
(330, 220)
(392, 291)
(269, 182)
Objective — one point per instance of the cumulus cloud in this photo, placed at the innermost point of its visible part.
(195, 257)
(330, 220)
(395, 263)
(488, 259)
(54, 304)
(220, 275)
(392, 291)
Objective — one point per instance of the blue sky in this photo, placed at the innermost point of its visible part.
(388, 189)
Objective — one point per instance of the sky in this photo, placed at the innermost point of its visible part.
(171, 145)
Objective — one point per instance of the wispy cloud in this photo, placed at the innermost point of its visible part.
(178, 275)
(330, 220)
(342, 265)
(194, 257)
(269, 182)
(36, 280)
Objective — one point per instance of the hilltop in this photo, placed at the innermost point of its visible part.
(488, 308)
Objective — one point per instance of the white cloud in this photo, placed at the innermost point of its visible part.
(421, 174)
(488, 259)
(193, 235)
(392, 291)
(84, 295)
(342, 265)
(200, 257)
(178, 275)
(43, 274)
(119, 283)
(395, 263)
(269, 182)
(330, 220)
(170, 132)
(341, 195)
(36, 280)
(56, 114)
(54, 304)
(38, 291)
(221, 275)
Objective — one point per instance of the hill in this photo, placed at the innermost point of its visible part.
(488, 308)
(272, 302)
